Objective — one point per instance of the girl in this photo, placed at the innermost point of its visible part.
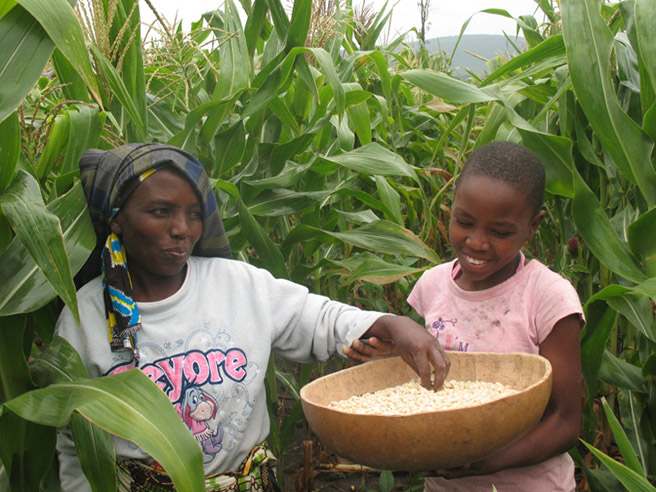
(490, 298)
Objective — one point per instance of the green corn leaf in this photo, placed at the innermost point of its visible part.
(230, 146)
(361, 120)
(280, 109)
(386, 481)
(120, 91)
(630, 479)
(633, 303)
(128, 405)
(281, 202)
(289, 175)
(366, 199)
(377, 26)
(74, 86)
(26, 288)
(15, 378)
(58, 19)
(265, 94)
(299, 24)
(600, 320)
(345, 136)
(40, 232)
(27, 450)
(355, 95)
(449, 88)
(589, 43)
(623, 443)
(391, 198)
(55, 148)
(255, 23)
(86, 124)
(58, 363)
(372, 159)
(642, 240)
(25, 51)
(9, 149)
(6, 6)
(289, 383)
(381, 236)
(379, 271)
(235, 62)
(327, 68)
(382, 69)
(387, 237)
(279, 17)
(132, 59)
(267, 250)
(599, 235)
(621, 374)
(645, 45)
(549, 48)
(96, 453)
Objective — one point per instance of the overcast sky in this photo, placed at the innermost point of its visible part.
(446, 16)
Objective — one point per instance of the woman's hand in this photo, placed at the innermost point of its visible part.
(364, 350)
(418, 348)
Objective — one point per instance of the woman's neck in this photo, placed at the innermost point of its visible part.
(150, 288)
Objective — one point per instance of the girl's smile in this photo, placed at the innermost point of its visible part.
(490, 223)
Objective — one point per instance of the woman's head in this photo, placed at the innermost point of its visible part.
(151, 206)
(496, 210)
(159, 224)
(109, 177)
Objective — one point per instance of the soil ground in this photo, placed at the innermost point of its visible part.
(310, 467)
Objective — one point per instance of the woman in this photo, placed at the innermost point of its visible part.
(200, 325)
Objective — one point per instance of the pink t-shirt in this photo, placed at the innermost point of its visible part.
(514, 316)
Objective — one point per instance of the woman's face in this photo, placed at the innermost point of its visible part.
(490, 223)
(160, 224)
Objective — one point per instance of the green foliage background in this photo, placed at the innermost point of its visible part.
(333, 158)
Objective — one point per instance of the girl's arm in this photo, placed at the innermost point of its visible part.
(560, 426)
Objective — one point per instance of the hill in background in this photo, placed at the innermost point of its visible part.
(472, 47)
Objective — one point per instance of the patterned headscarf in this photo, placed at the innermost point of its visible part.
(108, 179)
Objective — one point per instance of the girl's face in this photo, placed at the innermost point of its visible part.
(490, 223)
(160, 224)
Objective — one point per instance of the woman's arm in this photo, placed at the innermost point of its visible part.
(560, 426)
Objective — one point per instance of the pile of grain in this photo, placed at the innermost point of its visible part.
(411, 397)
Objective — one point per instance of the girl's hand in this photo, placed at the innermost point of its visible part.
(470, 469)
(364, 350)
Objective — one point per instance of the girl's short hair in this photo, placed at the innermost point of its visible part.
(512, 163)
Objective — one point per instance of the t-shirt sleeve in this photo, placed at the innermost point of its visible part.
(559, 299)
(305, 326)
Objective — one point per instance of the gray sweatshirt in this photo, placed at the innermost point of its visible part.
(207, 347)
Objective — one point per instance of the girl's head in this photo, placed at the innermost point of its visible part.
(496, 210)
